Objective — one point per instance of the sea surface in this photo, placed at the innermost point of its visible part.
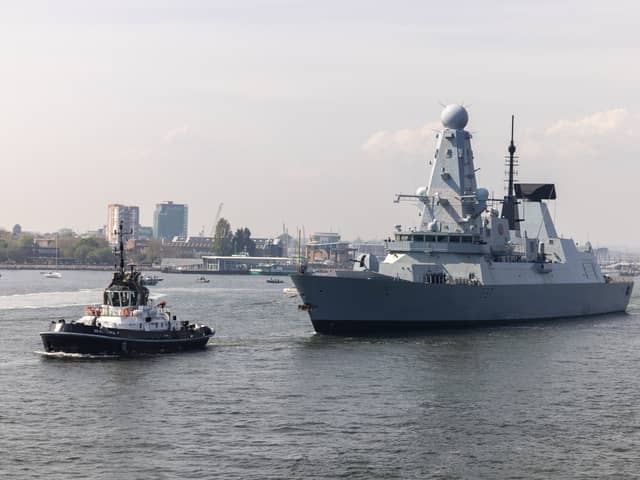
(270, 399)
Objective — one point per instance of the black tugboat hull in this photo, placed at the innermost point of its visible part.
(97, 344)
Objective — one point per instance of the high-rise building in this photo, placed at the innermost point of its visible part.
(130, 217)
(170, 220)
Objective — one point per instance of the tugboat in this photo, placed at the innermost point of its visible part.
(128, 322)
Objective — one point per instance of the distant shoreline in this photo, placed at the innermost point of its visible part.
(99, 268)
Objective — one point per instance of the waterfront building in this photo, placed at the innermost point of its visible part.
(44, 249)
(269, 247)
(245, 264)
(99, 232)
(194, 246)
(128, 215)
(146, 233)
(602, 255)
(172, 264)
(170, 220)
(326, 248)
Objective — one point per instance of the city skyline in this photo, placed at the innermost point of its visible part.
(131, 103)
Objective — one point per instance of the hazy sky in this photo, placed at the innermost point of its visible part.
(312, 113)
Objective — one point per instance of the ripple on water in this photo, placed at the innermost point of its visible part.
(270, 399)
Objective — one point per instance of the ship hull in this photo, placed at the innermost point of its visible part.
(122, 343)
(344, 305)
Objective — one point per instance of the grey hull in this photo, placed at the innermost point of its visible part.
(354, 305)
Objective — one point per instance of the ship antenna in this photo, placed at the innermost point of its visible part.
(509, 205)
(512, 150)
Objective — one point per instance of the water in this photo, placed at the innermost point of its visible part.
(270, 399)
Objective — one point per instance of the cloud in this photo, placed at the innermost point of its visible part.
(416, 141)
(596, 136)
(591, 159)
(596, 124)
(177, 134)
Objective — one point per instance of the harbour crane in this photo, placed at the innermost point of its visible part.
(215, 222)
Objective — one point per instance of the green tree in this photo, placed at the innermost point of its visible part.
(101, 256)
(153, 253)
(242, 242)
(83, 249)
(66, 247)
(80, 253)
(19, 250)
(223, 240)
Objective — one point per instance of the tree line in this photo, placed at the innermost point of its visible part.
(19, 247)
(226, 242)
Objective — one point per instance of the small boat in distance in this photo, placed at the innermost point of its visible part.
(274, 280)
(150, 280)
(128, 322)
(202, 280)
(54, 274)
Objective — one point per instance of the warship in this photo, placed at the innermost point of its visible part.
(470, 259)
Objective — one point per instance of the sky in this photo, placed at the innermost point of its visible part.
(312, 114)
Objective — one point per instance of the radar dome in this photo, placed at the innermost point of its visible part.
(421, 191)
(454, 117)
(482, 195)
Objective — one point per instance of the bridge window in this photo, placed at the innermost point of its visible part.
(112, 298)
(454, 238)
(117, 298)
(467, 240)
(429, 238)
(442, 238)
(418, 238)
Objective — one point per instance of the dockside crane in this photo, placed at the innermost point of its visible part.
(215, 221)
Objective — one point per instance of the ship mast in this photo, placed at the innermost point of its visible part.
(509, 204)
(120, 250)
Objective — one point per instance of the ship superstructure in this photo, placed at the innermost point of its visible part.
(465, 261)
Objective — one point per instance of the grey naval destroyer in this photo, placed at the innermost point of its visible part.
(465, 262)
